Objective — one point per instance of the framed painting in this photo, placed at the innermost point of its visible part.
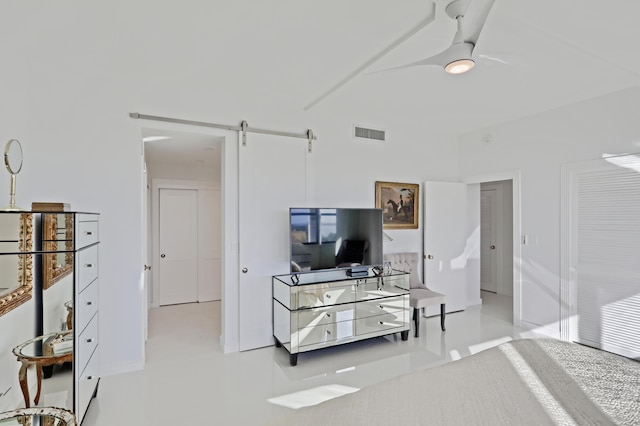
(399, 204)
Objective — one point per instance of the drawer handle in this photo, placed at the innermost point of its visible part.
(381, 322)
(89, 340)
(89, 303)
(328, 331)
(328, 315)
(381, 307)
(328, 296)
(88, 265)
(88, 233)
(89, 377)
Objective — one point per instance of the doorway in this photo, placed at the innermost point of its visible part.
(496, 239)
(184, 172)
(513, 261)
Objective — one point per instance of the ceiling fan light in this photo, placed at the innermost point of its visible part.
(459, 66)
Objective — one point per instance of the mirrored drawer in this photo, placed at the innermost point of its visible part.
(86, 232)
(324, 333)
(388, 305)
(326, 315)
(86, 305)
(87, 342)
(381, 322)
(311, 296)
(87, 383)
(87, 267)
(376, 289)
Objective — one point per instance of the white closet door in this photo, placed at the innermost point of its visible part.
(488, 240)
(445, 239)
(607, 255)
(264, 226)
(178, 246)
(209, 246)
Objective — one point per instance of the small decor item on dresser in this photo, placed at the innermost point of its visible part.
(399, 204)
(13, 162)
(50, 207)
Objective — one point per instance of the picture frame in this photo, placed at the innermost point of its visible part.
(399, 203)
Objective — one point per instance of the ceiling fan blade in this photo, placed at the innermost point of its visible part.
(423, 23)
(474, 19)
(433, 60)
(503, 59)
(442, 59)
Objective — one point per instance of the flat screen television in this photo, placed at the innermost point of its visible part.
(330, 238)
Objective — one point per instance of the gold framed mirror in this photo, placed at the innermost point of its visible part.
(57, 236)
(16, 260)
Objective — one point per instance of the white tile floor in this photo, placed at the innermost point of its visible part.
(188, 380)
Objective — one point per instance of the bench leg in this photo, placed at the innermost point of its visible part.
(416, 320)
(442, 314)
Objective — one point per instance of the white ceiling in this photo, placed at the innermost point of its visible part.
(560, 52)
(557, 52)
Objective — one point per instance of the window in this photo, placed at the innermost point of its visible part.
(313, 226)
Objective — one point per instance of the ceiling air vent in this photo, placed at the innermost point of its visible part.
(360, 132)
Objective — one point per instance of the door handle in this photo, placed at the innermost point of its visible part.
(163, 255)
(245, 270)
(430, 256)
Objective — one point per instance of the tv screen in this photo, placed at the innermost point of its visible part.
(329, 238)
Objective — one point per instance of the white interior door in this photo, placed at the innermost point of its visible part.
(445, 242)
(488, 241)
(178, 246)
(209, 246)
(264, 226)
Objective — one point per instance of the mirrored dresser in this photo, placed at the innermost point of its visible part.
(321, 309)
(66, 292)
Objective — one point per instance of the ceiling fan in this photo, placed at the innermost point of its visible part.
(458, 58)
(470, 15)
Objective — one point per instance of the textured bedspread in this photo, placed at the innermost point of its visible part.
(523, 382)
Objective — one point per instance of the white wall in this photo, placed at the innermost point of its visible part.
(473, 244)
(78, 69)
(537, 147)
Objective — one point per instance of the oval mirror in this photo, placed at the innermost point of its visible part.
(13, 156)
(13, 161)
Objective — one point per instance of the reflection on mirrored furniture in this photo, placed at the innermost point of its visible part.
(40, 352)
(66, 304)
(57, 236)
(38, 416)
(16, 259)
(69, 306)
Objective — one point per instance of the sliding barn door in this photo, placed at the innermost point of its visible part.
(606, 254)
(272, 179)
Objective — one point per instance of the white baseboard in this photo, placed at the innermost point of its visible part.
(550, 330)
(121, 369)
(474, 302)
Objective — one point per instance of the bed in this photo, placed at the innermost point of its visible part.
(522, 382)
